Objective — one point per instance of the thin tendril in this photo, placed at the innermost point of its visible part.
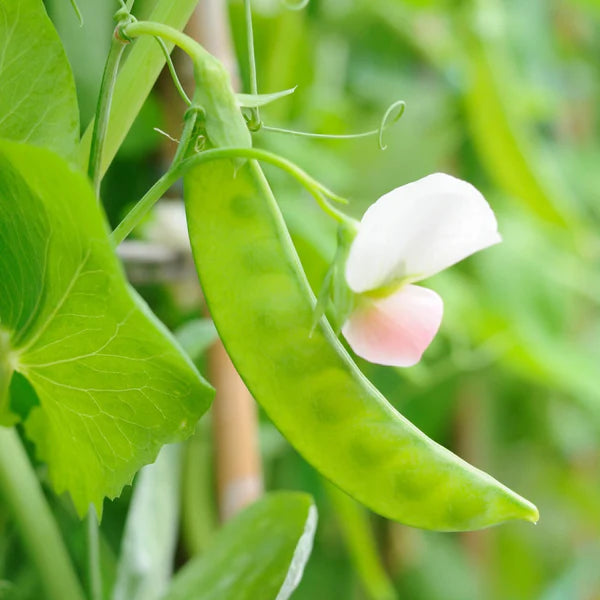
(167, 135)
(323, 136)
(77, 12)
(387, 120)
(401, 105)
(172, 71)
(126, 6)
(332, 195)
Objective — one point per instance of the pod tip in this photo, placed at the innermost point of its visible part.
(530, 512)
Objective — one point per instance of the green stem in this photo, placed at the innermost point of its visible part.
(188, 44)
(107, 87)
(136, 78)
(156, 192)
(353, 521)
(23, 495)
(225, 126)
(198, 514)
(141, 208)
(137, 213)
(254, 123)
(191, 116)
(94, 569)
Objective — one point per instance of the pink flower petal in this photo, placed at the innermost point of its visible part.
(397, 329)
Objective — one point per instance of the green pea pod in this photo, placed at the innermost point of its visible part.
(262, 306)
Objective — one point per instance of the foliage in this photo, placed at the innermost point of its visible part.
(501, 93)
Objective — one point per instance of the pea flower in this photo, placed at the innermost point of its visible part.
(409, 234)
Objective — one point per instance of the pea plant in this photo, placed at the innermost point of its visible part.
(98, 385)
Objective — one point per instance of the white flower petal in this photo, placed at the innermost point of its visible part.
(419, 229)
(397, 329)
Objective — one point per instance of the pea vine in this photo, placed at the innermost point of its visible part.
(99, 385)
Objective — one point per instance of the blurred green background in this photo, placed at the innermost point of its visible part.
(504, 94)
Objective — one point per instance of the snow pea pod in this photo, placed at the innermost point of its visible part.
(262, 306)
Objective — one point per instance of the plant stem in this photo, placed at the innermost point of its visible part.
(107, 87)
(23, 495)
(141, 208)
(137, 213)
(155, 193)
(198, 517)
(135, 80)
(93, 546)
(316, 189)
(190, 46)
(191, 116)
(254, 122)
(353, 521)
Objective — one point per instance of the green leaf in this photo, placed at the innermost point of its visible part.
(507, 147)
(38, 103)
(258, 555)
(149, 541)
(113, 386)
